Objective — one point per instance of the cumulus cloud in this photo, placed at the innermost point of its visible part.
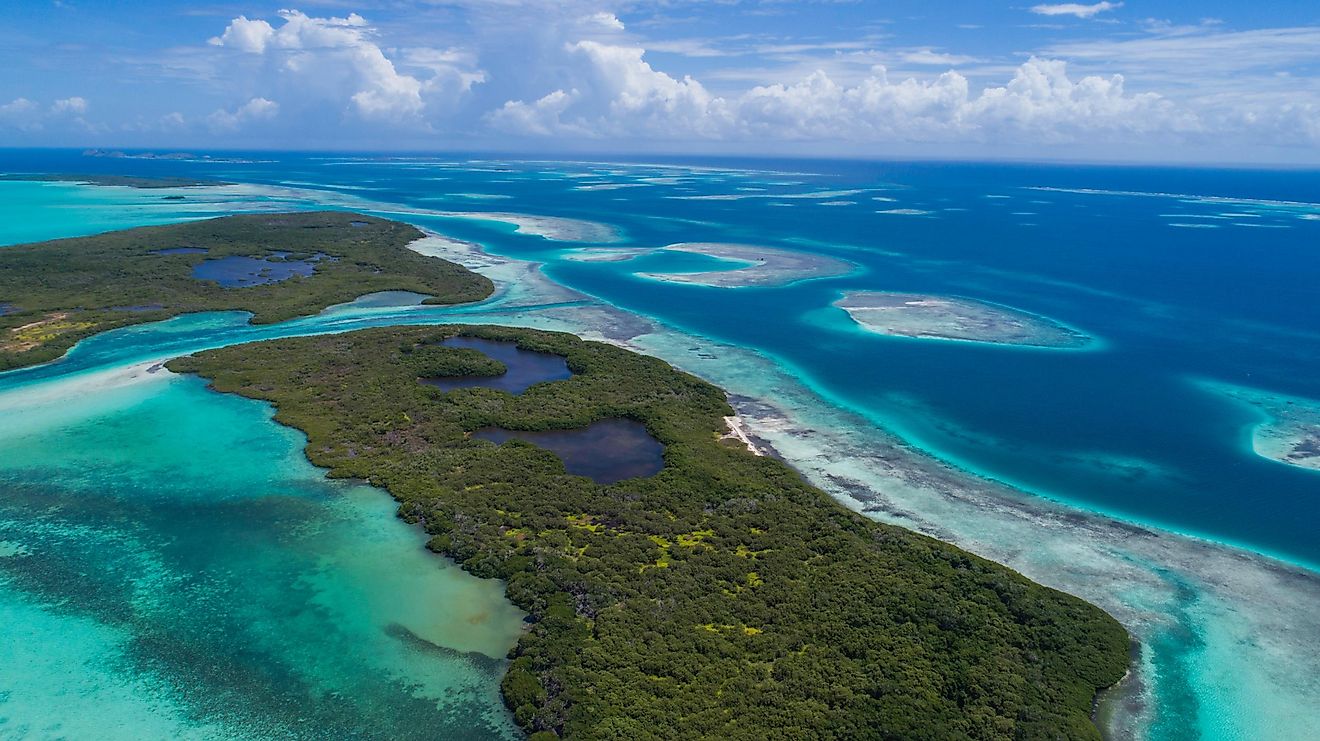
(22, 114)
(28, 115)
(626, 95)
(245, 35)
(605, 20)
(319, 61)
(75, 106)
(1077, 10)
(173, 121)
(572, 70)
(618, 93)
(257, 109)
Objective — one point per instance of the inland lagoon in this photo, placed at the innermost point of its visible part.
(606, 452)
(240, 271)
(522, 369)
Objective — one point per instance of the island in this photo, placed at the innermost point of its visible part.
(927, 316)
(711, 594)
(178, 156)
(126, 181)
(276, 266)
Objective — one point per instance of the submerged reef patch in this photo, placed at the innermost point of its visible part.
(764, 266)
(926, 316)
(1290, 429)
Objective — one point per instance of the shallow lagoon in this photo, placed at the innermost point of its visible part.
(175, 568)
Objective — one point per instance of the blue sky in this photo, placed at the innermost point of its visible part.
(1211, 81)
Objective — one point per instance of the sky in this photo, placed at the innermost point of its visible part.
(1214, 81)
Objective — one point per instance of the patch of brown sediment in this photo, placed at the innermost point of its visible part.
(1306, 451)
(34, 334)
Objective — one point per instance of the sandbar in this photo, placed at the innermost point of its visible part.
(605, 254)
(764, 266)
(555, 228)
(926, 316)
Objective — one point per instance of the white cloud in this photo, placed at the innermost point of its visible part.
(627, 97)
(1200, 54)
(299, 31)
(28, 115)
(1238, 82)
(540, 118)
(173, 121)
(257, 109)
(1076, 9)
(22, 114)
(931, 57)
(316, 62)
(73, 106)
(245, 35)
(605, 20)
(572, 70)
(617, 94)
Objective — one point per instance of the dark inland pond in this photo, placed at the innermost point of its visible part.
(526, 368)
(606, 451)
(237, 271)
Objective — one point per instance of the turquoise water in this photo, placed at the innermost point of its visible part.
(1116, 473)
(172, 567)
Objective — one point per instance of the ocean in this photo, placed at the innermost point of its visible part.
(1139, 471)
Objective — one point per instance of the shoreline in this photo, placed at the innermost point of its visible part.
(737, 430)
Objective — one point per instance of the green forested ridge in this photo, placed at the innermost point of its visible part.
(61, 291)
(723, 598)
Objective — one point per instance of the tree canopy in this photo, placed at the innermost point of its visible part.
(53, 294)
(723, 598)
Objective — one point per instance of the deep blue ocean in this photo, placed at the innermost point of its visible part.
(1199, 288)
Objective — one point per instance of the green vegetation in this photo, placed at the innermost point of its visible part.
(722, 598)
(61, 291)
(128, 181)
